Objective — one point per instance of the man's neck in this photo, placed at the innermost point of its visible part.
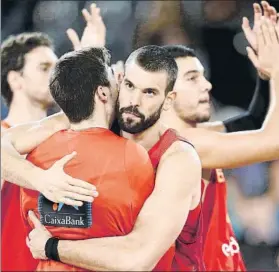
(24, 112)
(171, 120)
(151, 136)
(89, 123)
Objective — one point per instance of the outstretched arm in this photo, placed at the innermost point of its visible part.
(159, 223)
(219, 150)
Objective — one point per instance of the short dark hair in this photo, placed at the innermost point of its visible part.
(154, 58)
(75, 79)
(13, 51)
(180, 51)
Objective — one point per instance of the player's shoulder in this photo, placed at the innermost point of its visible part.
(181, 147)
(134, 149)
(135, 154)
(183, 152)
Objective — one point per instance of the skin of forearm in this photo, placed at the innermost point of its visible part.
(104, 254)
(16, 169)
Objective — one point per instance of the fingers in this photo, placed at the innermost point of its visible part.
(81, 191)
(252, 56)
(261, 36)
(271, 31)
(246, 28)
(273, 14)
(95, 12)
(64, 160)
(71, 202)
(268, 31)
(80, 197)
(35, 220)
(265, 6)
(82, 184)
(73, 37)
(86, 15)
(257, 13)
(245, 24)
(93, 15)
(249, 33)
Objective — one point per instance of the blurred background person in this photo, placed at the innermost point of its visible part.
(27, 60)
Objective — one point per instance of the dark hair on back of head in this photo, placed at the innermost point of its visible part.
(75, 80)
(13, 51)
(179, 51)
(154, 58)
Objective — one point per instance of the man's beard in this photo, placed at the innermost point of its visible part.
(142, 124)
(194, 118)
(202, 118)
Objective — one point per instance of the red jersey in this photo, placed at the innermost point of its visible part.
(221, 250)
(15, 255)
(189, 245)
(119, 168)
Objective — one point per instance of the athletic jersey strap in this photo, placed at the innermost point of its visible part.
(166, 140)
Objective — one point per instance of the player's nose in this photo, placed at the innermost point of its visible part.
(135, 99)
(207, 86)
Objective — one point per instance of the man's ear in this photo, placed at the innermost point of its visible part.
(15, 80)
(169, 100)
(103, 93)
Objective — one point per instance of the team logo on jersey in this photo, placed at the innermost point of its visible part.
(231, 248)
(62, 215)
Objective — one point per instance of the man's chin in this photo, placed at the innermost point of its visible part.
(203, 118)
(131, 130)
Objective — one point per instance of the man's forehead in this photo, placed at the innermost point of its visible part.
(42, 54)
(145, 79)
(189, 64)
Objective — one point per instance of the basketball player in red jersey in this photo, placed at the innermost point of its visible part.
(27, 60)
(224, 252)
(158, 241)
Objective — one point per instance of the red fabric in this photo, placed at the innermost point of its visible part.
(221, 250)
(15, 255)
(121, 171)
(189, 244)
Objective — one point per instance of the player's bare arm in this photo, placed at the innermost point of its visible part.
(158, 224)
(219, 150)
(53, 182)
(21, 139)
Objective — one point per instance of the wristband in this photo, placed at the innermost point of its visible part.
(51, 249)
